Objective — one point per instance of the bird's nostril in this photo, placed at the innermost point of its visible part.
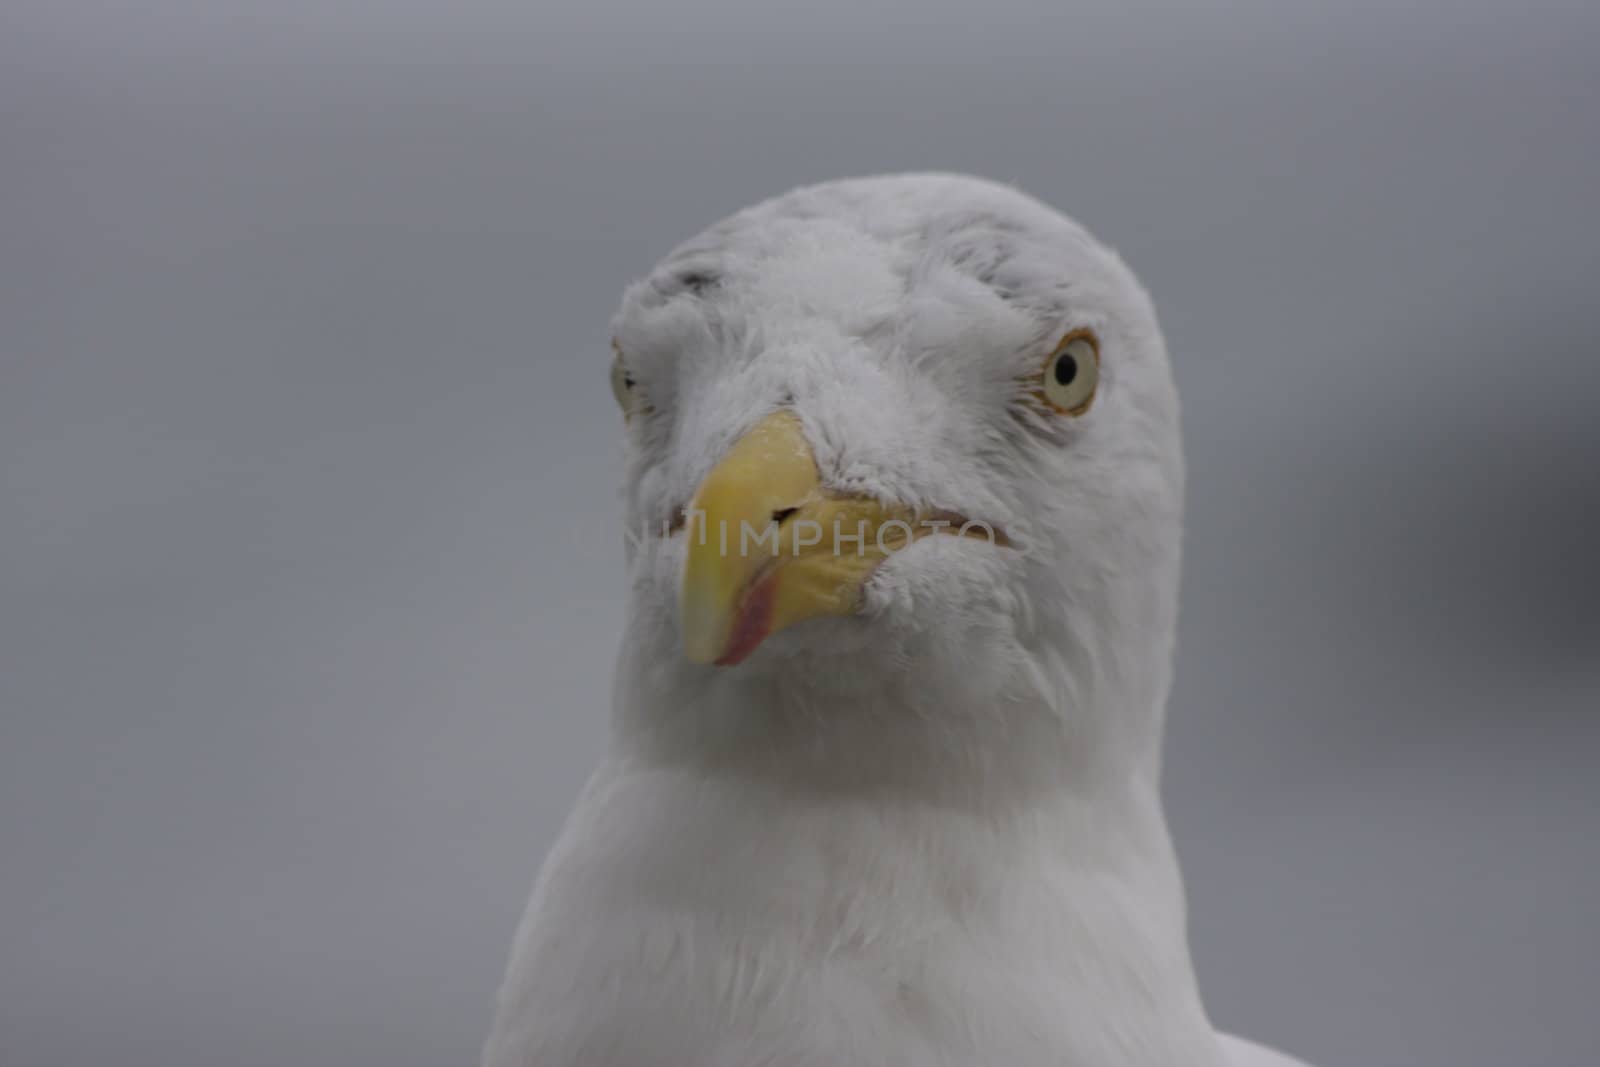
(783, 514)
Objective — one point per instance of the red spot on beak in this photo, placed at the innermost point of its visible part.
(754, 622)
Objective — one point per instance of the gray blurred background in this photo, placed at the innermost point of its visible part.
(303, 409)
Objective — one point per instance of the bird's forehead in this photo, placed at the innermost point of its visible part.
(916, 265)
(795, 275)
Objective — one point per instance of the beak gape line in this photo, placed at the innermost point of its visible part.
(804, 534)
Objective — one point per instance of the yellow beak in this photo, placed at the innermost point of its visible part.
(768, 547)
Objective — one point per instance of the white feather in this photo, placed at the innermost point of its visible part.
(929, 835)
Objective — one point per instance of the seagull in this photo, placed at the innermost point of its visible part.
(903, 511)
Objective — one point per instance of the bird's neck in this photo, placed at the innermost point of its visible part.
(889, 820)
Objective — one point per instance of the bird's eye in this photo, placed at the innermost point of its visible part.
(623, 387)
(1072, 373)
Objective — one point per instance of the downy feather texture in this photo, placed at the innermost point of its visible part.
(929, 834)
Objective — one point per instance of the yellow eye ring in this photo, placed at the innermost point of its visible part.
(623, 387)
(1072, 373)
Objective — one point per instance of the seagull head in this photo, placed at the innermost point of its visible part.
(913, 439)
